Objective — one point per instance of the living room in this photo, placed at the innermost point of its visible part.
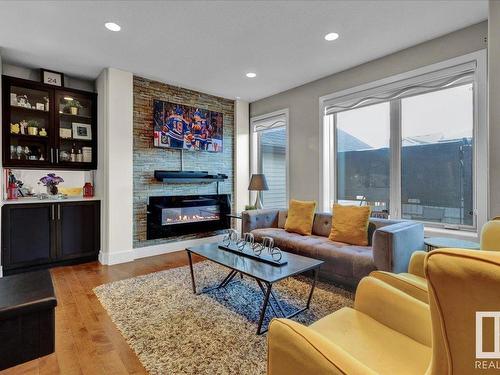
(250, 187)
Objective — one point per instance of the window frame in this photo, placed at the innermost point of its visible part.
(255, 157)
(328, 163)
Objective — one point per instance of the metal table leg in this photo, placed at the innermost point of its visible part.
(192, 272)
(264, 308)
(269, 293)
(280, 306)
(228, 278)
(316, 272)
(224, 282)
(259, 283)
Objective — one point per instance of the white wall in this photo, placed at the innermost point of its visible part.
(114, 178)
(1, 122)
(34, 75)
(303, 101)
(241, 155)
(31, 178)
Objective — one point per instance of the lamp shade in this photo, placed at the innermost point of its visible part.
(258, 182)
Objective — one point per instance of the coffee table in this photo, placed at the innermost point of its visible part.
(264, 274)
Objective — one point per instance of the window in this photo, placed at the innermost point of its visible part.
(363, 159)
(269, 156)
(436, 156)
(409, 145)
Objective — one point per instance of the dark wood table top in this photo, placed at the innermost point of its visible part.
(443, 242)
(297, 264)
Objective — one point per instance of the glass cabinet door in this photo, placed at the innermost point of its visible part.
(75, 138)
(29, 125)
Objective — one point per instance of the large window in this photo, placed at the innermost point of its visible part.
(363, 159)
(437, 156)
(269, 149)
(409, 148)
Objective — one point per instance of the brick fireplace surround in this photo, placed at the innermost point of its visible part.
(147, 159)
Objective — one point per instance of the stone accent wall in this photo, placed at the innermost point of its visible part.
(148, 158)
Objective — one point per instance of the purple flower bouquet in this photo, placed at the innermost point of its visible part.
(51, 181)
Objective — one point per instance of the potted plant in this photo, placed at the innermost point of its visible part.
(32, 127)
(73, 106)
(51, 181)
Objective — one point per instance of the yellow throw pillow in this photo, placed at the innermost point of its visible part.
(350, 224)
(300, 217)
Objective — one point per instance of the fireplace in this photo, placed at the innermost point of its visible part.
(170, 216)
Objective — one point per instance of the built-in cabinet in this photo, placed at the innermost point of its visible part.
(37, 235)
(48, 127)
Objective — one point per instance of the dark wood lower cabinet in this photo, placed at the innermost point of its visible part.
(78, 234)
(37, 235)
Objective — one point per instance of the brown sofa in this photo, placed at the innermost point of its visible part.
(390, 244)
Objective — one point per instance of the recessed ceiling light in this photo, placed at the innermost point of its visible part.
(331, 36)
(251, 75)
(112, 26)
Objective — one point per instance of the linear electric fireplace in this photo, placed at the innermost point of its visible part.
(170, 216)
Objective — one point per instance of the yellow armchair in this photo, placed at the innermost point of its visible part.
(461, 283)
(387, 332)
(390, 332)
(412, 282)
(490, 235)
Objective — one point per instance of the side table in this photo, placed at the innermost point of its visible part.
(432, 243)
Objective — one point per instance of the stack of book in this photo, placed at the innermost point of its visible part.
(87, 154)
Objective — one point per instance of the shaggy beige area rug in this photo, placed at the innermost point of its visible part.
(174, 331)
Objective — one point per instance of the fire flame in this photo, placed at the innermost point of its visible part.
(191, 218)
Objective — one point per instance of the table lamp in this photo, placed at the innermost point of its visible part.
(258, 183)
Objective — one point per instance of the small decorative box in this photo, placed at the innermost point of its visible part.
(65, 133)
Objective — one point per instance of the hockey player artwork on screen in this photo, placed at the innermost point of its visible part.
(188, 128)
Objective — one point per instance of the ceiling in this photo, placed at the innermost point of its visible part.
(210, 45)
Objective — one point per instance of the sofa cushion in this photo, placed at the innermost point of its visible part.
(300, 217)
(291, 242)
(282, 216)
(349, 261)
(322, 225)
(350, 224)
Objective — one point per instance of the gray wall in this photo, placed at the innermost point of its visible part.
(494, 109)
(303, 101)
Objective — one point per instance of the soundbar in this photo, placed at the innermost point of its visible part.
(188, 176)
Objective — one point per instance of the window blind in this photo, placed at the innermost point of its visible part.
(459, 74)
(269, 123)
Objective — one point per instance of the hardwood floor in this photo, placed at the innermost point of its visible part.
(87, 341)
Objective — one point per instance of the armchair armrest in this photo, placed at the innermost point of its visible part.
(411, 284)
(256, 219)
(294, 349)
(417, 261)
(394, 244)
(394, 308)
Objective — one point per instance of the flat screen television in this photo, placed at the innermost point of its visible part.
(188, 128)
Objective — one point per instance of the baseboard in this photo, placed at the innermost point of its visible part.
(116, 257)
(110, 259)
(149, 251)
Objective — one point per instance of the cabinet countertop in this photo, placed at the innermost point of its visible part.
(30, 200)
